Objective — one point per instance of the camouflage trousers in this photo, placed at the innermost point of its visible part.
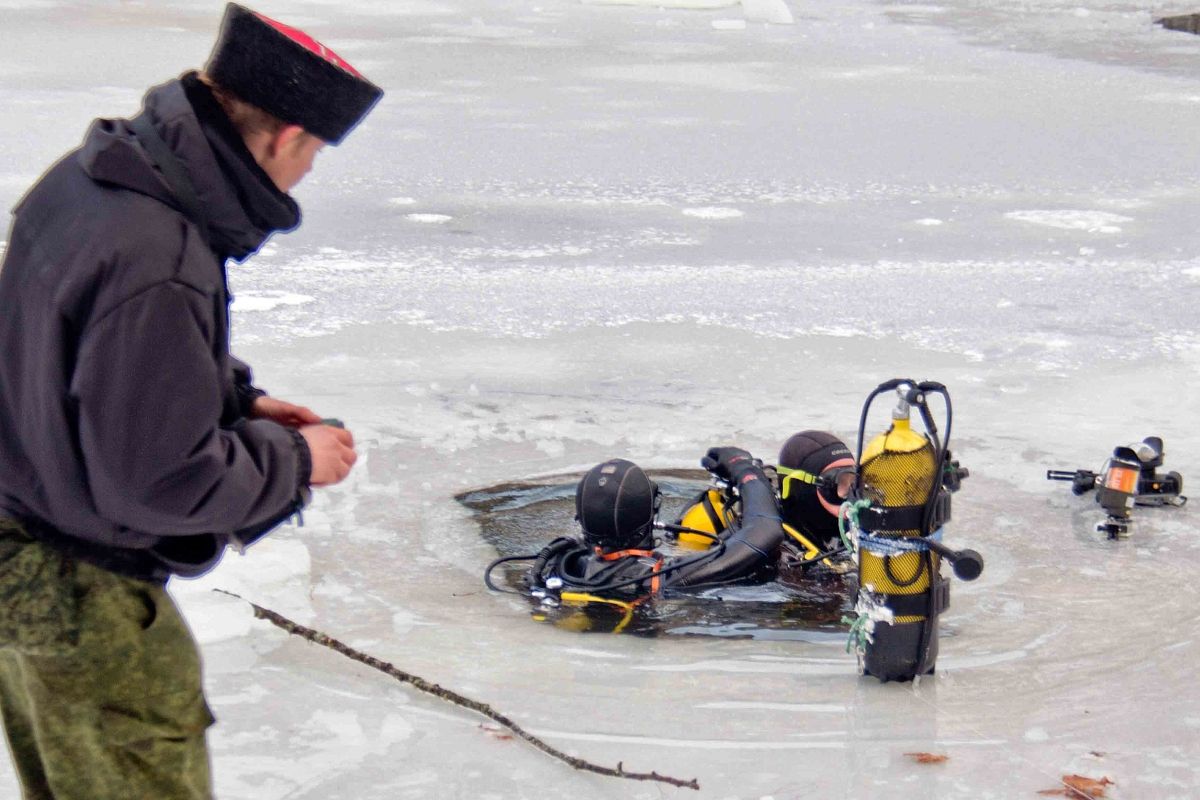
(100, 686)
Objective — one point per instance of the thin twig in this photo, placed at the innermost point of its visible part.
(457, 699)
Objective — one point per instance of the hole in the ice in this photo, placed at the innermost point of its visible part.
(1188, 23)
(520, 517)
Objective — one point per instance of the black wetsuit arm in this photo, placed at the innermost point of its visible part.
(747, 547)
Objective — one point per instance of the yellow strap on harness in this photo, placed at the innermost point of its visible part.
(583, 598)
(810, 549)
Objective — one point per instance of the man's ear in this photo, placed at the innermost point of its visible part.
(285, 139)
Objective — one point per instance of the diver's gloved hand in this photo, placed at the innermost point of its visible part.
(730, 463)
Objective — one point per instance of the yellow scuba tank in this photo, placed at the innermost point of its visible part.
(898, 469)
(900, 589)
(707, 513)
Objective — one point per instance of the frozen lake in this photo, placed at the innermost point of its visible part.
(573, 231)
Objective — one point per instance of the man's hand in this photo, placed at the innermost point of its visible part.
(287, 414)
(332, 452)
(729, 463)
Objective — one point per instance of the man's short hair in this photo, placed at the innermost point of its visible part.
(247, 119)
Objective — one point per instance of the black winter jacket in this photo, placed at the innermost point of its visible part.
(123, 432)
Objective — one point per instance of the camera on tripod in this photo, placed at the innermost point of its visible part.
(1129, 477)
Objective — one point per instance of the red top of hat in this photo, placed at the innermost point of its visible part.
(300, 37)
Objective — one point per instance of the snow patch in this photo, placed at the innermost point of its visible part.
(267, 300)
(713, 212)
(331, 588)
(929, 222)
(274, 574)
(339, 737)
(869, 72)
(1172, 98)
(589, 653)
(775, 12)
(772, 11)
(1037, 735)
(428, 219)
(1072, 220)
(402, 201)
(838, 331)
(701, 5)
(254, 693)
(213, 617)
(404, 621)
(551, 447)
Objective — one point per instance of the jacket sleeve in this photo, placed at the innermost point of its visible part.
(148, 395)
(243, 386)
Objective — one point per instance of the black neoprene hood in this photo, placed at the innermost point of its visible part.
(813, 452)
(615, 503)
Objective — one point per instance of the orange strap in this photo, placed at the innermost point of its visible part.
(656, 581)
(613, 556)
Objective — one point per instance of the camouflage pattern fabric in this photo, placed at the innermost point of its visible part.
(38, 610)
(119, 714)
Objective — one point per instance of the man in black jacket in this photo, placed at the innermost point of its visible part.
(133, 446)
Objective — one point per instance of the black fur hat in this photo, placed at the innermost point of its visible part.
(286, 72)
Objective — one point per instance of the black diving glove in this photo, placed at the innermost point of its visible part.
(730, 463)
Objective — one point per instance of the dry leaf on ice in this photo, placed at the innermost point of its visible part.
(497, 733)
(1078, 787)
(927, 758)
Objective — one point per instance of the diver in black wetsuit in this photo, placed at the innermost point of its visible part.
(814, 476)
(616, 504)
(743, 525)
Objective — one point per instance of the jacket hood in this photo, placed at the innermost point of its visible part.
(242, 204)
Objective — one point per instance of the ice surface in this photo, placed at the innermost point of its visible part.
(773, 11)
(569, 309)
(1073, 220)
(713, 212)
(267, 300)
(673, 4)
